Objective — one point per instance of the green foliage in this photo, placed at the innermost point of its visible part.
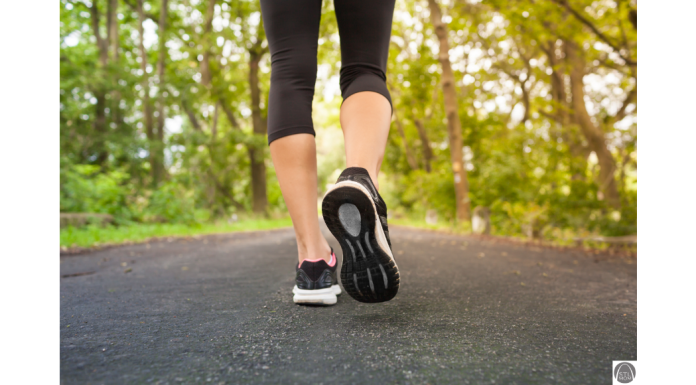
(535, 171)
(170, 203)
(85, 189)
(429, 191)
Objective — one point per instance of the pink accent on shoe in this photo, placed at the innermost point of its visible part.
(331, 263)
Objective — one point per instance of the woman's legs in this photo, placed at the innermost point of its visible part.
(365, 29)
(295, 163)
(292, 29)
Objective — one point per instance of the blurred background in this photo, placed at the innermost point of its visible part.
(529, 122)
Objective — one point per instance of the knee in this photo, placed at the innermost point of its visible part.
(359, 78)
(295, 70)
(293, 75)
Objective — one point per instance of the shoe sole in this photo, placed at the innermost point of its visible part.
(316, 297)
(369, 272)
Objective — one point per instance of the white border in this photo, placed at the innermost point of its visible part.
(29, 197)
(667, 167)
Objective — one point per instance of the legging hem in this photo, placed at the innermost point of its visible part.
(386, 96)
(283, 132)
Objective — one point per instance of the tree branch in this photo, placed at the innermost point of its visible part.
(594, 29)
(134, 7)
(192, 117)
(550, 116)
(228, 112)
(621, 113)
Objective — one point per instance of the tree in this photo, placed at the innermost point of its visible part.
(531, 104)
(256, 152)
(158, 144)
(454, 128)
(595, 137)
(100, 121)
(147, 104)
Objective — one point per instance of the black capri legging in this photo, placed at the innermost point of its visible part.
(292, 29)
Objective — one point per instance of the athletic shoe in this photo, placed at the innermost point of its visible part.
(357, 216)
(316, 282)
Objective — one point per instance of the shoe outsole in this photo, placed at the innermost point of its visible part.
(368, 273)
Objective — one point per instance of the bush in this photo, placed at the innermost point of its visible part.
(88, 189)
(84, 189)
(424, 191)
(172, 204)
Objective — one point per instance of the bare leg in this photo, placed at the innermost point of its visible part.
(365, 119)
(295, 161)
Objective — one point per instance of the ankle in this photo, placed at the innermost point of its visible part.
(320, 250)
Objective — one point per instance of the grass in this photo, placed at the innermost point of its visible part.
(91, 236)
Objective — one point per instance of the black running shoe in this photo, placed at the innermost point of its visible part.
(316, 282)
(357, 216)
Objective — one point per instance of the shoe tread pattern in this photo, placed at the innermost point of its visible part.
(365, 266)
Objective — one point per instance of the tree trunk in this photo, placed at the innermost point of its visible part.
(454, 128)
(427, 150)
(112, 29)
(525, 100)
(256, 154)
(562, 116)
(147, 106)
(594, 136)
(206, 76)
(102, 43)
(158, 171)
(115, 106)
(99, 126)
(557, 85)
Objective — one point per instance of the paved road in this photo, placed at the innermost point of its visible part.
(219, 310)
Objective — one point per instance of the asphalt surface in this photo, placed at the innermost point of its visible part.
(219, 310)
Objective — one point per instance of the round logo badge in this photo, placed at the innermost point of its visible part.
(624, 372)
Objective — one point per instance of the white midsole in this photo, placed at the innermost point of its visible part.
(335, 289)
(381, 238)
(322, 296)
